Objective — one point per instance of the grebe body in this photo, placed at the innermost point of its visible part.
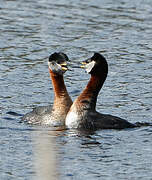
(83, 114)
(53, 115)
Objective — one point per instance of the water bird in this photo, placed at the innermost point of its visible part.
(82, 113)
(53, 115)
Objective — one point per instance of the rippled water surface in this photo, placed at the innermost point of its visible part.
(29, 32)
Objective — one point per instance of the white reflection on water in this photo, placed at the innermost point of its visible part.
(44, 157)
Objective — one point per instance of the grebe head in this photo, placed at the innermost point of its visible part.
(96, 65)
(58, 63)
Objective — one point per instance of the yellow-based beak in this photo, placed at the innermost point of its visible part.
(83, 64)
(64, 66)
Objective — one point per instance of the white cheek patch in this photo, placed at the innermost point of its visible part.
(54, 66)
(89, 66)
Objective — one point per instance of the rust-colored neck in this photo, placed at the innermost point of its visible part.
(60, 92)
(91, 91)
(58, 84)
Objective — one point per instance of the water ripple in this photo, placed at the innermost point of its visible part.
(29, 32)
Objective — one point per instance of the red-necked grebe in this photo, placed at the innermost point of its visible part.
(83, 114)
(55, 115)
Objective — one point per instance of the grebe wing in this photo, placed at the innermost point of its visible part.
(35, 117)
(42, 109)
(106, 121)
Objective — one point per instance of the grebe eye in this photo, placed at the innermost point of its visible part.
(53, 62)
(88, 60)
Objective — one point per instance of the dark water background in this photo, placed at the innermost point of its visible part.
(29, 32)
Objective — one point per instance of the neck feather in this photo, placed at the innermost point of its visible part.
(89, 95)
(60, 92)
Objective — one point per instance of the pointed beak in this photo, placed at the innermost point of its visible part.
(64, 66)
(83, 64)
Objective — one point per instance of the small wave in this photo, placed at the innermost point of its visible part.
(14, 113)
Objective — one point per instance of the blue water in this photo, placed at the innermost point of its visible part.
(29, 32)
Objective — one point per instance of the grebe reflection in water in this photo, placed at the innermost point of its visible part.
(55, 115)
